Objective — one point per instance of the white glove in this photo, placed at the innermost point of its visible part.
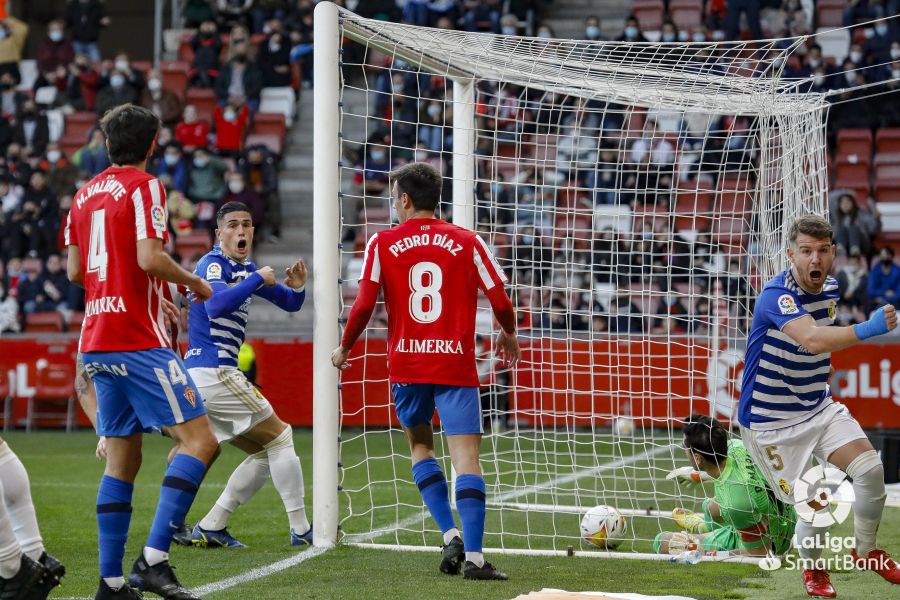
(683, 542)
(688, 476)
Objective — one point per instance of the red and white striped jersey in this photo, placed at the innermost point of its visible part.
(109, 215)
(431, 271)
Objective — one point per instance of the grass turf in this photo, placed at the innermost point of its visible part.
(64, 477)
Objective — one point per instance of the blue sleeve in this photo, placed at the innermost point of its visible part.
(225, 300)
(282, 296)
(779, 306)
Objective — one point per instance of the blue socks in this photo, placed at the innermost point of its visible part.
(179, 487)
(470, 504)
(113, 519)
(433, 487)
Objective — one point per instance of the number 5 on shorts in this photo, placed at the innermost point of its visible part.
(772, 453)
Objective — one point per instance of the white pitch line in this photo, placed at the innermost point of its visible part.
(260, 572)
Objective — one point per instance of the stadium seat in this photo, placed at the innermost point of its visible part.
(686, 14)
(6, 392)
(185, 51)
(74, 321)
(266, 122)
(172, 39)
(890, 218)
(854, 141)
(188, 244)
(887, 140)
(28, 73)
(830, 13)
(649, 13)
(887, 191)
(49, 321)
(733, 196)
(56, 122)
(175, 76)
(79, 124)
(274, 143)
(835, 43)
(849, 168)
(887, 171)
(54, 388)
(279, 100)
(205, 101)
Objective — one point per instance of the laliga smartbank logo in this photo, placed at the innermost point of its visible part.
(830, 490)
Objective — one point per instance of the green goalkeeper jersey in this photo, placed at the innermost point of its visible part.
(747, 505)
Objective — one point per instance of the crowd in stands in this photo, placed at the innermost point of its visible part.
(543, 157)
(216, 144)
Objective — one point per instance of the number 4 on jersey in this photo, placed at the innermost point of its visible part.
(98, 259)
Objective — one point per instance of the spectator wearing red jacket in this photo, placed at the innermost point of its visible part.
(192, 132)
(231, 123)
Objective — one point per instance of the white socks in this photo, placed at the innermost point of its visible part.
(284, 467)
(812, 549)
(10, 552)
(450, 534)
(245, 481)
(153, 556)
(19, 507)
(475, 557)
(867, 473)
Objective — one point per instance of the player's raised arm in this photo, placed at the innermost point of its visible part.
(364, 306)
(817, 339)
(291, 294)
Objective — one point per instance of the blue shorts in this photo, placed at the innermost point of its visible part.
(459, 407)
(141, 390)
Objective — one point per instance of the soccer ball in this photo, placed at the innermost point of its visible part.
(624, 426)
(603, 526)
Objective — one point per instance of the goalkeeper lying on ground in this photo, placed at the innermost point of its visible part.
(744, 517)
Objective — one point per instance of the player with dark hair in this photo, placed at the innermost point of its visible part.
(744, 516)
(115, 232)
(431, 272)
(786, 411)
(239, 413)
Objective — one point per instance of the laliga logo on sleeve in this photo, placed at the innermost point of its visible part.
(830, 489)
(786, 304)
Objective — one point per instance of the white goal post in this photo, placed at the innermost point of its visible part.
(636, 195)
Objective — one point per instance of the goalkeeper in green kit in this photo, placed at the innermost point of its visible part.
(744, 517)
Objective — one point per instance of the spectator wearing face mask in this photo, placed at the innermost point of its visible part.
(207, 47)
(884, 281)
(83, 84)
(668, 33)
(55, 51)
(31, 130)
(632, 31)
(116, 93)
(192, 132)
(261, 176)
(12, 41)
(231, 125)
(592, 30)
(241, 77)
(85, 19)
(207, 177)
(174, 165)
(92, 158)
(274, 60)
(11, 99)
(122, 64)
(239, 191)
(509, 24)
(61, 173)
(165, 104)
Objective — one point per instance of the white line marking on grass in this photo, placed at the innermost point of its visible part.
(259, 572)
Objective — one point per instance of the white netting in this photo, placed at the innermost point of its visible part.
(636, 195)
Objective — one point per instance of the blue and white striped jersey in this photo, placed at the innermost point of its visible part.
(214, 342)
(783, 383)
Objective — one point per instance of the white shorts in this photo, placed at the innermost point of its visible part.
(784, 455)
(233, 404)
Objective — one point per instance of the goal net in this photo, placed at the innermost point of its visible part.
(636, 195)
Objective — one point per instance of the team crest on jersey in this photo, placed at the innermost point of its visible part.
(190, 396)
(158, 217)
(786, 305)
(832, 309)
(783, 484)
(214, 271)
(258, 393)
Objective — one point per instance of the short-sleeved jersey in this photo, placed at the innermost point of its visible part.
(109, 216)
(747, 505)
(216, 342)
(431, 271)
(785, 384)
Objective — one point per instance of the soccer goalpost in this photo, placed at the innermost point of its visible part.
(636, 196)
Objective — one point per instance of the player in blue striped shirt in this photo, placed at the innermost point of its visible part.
(786, 412)
(238, 412)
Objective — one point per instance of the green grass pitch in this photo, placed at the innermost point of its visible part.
(64, 476)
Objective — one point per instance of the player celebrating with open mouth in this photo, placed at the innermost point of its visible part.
(786, 412)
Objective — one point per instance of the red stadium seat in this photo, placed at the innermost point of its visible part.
(271, 141)
(887, 191)
(188, 244)
(54, 388)
(73, 323)
(274, 123)
(886, 171)
(649, 13)
(847, 168)
(686, 14)
(854, 141)
(205, 101)
(733, 197)
(78, 124)
(830, 13)
(887, 140)
(143, 66)
(185, 51)
(175, 76)
(43, 322)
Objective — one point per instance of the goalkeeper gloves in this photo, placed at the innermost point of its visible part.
(689, 520)
(683, 542)
(688, 476)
